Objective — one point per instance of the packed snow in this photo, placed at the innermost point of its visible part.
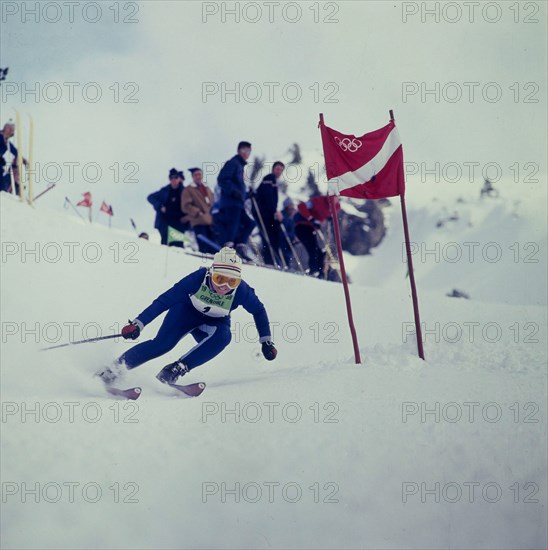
(308, 451)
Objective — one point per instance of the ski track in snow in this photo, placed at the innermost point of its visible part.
(363, 432)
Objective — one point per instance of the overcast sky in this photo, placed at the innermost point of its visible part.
(350, 60)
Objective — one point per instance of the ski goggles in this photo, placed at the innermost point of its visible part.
(219, 279)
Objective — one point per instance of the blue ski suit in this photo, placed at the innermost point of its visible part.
(212, 334)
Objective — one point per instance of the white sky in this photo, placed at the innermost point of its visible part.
(170, 52)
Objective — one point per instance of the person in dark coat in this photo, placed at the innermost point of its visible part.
(167, 203)
(234, 225)
(199, 304)
(266, 198)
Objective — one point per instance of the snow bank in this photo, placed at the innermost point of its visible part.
(309, 451)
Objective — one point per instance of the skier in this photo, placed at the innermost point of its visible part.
(199, 304)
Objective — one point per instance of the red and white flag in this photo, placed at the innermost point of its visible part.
(86, 201)
(364, 167)
(106, 209)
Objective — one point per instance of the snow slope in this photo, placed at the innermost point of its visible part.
(495, 250)
(323, 453)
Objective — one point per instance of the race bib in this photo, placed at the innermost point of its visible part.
(210, 303)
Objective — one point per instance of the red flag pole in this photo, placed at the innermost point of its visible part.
(410, 269)
(332, 205)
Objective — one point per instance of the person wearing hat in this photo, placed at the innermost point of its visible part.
(167, 203)
(196, 203)
(235, 226)
(199, 304)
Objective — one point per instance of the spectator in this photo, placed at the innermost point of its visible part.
(308, 221)
(8, 159)
(267, 204)
(167, 203)
(196, 203)
(235, 226)
(288, 213)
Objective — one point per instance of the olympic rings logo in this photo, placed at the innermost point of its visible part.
(347, 144)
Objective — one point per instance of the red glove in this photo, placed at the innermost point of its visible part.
(269, 351)
(131, 331)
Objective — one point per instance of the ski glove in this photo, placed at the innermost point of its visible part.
(236, 195)
(131, 331)
(269, 351)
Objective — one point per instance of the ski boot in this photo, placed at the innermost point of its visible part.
(170, 373)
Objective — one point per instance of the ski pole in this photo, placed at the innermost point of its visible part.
(49, 188)
(19, 139)
(274, 258)
(79, 215)
(281, 256)
(291, 247)
(332, 259)
(12, 181)
(83, 341)
(257, 252)
(30, 170)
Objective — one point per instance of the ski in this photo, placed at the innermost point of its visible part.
(192, 390)
(130, 393)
